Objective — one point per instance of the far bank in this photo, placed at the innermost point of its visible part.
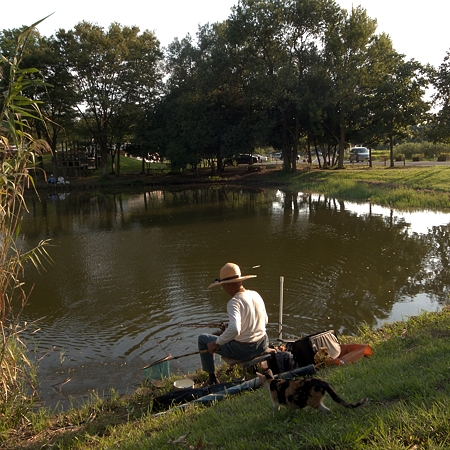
(403, 187)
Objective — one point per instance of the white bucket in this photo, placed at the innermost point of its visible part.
(184, 383)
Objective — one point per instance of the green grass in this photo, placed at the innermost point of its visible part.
(403, 188)
(127, 166)
(407, 381)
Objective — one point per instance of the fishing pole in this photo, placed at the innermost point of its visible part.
(204, 325)
(171, 358)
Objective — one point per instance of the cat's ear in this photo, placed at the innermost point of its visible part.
(268, 373)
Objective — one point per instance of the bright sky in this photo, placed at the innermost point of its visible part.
(418, 30)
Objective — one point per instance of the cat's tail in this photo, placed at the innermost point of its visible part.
(334, 395)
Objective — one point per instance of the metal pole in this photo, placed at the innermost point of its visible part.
(280, 321)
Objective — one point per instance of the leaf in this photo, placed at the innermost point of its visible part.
(180, 440)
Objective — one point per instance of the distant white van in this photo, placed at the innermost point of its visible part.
(358, 154)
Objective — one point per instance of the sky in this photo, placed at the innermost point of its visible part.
(419, 32)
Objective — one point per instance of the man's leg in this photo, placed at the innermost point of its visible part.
(237, 350)
(206, 358)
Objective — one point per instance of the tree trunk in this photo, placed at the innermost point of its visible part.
(113, 159)
(391, 150)
(103, 158)
(309, 150)
(341, 148)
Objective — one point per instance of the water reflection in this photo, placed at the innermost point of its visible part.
(131, 270)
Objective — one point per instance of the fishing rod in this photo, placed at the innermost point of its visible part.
(171, 358)
(204, 325)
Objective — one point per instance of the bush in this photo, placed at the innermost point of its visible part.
(428, 150)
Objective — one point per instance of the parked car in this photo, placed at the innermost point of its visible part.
(358, 154)
(241, 159)
(261, 158)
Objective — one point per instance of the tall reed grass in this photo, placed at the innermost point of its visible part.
(18, 150)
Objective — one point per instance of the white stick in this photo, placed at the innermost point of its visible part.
(280, 322)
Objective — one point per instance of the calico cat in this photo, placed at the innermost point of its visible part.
(302, 392)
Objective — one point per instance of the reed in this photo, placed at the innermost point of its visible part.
(18, 150)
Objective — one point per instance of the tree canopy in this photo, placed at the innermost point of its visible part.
(293, 75)
(112, 71)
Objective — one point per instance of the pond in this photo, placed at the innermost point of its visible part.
(128, 281)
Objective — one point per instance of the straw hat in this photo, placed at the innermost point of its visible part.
(230, 273)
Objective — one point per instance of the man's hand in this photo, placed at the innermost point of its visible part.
(212, 347)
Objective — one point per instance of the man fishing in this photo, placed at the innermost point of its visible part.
(245, 337)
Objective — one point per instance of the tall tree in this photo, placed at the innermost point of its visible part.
(398, 102)
(347, 58)
(282, 41)
(111, 69)
(59, 100)
(183, 107)
(440, 129)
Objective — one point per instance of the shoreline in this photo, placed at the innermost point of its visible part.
(402, 188)
(395, 392)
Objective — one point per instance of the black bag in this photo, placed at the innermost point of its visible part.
(280, 362)
(305, 348)
(188, 394)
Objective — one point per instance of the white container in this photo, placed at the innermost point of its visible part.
(184, 383)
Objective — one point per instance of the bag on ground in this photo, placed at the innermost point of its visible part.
(305, 348)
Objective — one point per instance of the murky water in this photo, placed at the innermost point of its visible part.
(130, 272)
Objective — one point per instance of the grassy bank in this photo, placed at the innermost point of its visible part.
(402, 187)
(407, 381)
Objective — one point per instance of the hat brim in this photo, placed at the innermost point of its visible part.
(235, 280)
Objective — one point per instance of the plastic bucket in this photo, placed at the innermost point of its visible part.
(184, 383)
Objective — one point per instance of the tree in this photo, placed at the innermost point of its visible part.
(110, 69)
(440, 78)
(347, 58)
(58, 101)
(208, 115)
(183, 108)
(255, 30)
(282, 41)
(397, 103)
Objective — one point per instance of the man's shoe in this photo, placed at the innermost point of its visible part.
(210, 382)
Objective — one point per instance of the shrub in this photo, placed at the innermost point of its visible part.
(428, 150)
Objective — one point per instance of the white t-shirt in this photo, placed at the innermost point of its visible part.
(247, 318)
